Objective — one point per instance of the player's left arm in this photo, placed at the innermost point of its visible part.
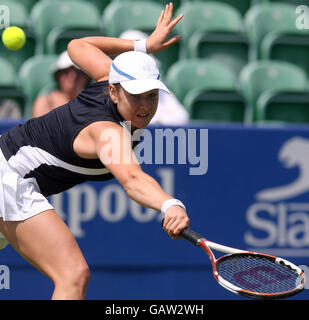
(92, 54)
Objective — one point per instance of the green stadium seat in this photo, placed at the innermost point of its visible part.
(7, 74)
(100, 4)
(216, 106)
(207, 89)
(188, 74)
(57, 22)
(8, 84)
(271, 77)
(33, 76)
(121, 16)
(290, 48)
(168, 57)
(176, 3)
(28, 4)
(272, 31)
(283, 107)
(213, 30)
(18, 17)
(241, 6)
(18, 12)
(293, 2)
(48, 88)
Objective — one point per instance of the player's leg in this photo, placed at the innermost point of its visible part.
(47, 243)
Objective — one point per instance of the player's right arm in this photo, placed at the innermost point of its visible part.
(113, 147)
(92, 54)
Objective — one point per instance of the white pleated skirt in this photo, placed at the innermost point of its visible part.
(20, 198)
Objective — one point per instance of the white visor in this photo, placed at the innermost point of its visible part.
(143, 85)
(136, 72)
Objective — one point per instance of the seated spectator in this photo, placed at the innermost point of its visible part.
(9, 109)
(70, 80)
(170, 111)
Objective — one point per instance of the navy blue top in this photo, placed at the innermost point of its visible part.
(43, 147)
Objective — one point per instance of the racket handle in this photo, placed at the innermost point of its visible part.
(191, 236)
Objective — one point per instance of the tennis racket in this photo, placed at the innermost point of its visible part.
(251, 274)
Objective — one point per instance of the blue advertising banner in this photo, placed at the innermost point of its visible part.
(245, 187)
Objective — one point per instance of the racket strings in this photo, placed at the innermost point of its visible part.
(257, 273)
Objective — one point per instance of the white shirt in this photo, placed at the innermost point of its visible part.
(170, 111)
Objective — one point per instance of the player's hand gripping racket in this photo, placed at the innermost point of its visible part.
(251, 274)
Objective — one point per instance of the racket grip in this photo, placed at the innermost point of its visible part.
(191, 236)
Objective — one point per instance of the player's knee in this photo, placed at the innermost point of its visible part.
(81, 276)
(75, 277)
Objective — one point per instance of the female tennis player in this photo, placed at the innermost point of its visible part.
(85, 139)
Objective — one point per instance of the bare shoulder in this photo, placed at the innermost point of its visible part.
(89, 139)
(99, 128)
(40, 106)
(41, 98)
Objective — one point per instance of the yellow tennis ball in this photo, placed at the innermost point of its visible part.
(13, 38)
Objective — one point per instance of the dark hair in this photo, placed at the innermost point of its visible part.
(106, 90)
